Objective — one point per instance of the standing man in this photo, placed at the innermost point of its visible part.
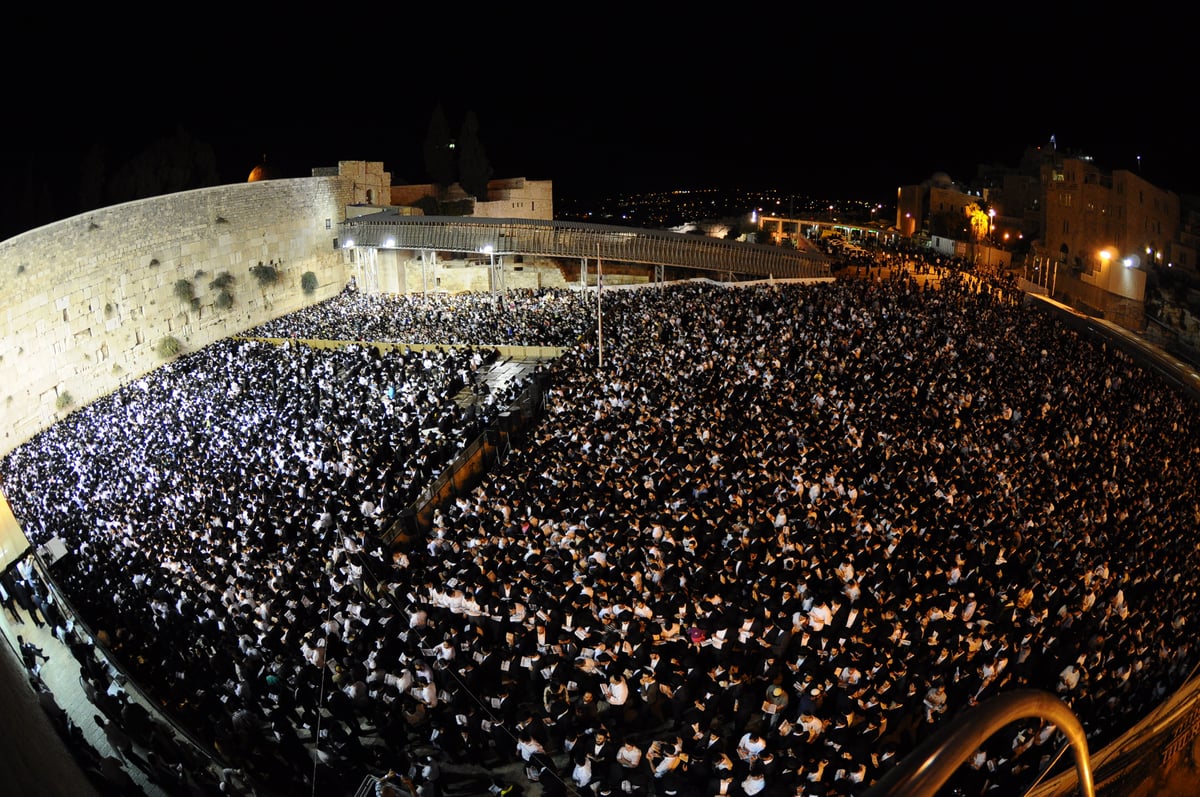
(30, 653)
(8, 599)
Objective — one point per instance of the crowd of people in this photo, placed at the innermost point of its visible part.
(776, 536)
(524, 317)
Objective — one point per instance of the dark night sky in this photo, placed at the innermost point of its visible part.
(603, 99)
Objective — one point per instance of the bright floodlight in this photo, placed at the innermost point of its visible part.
(349, 243)
(390, 243)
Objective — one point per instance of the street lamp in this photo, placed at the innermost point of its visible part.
(1154, 256)
(497, 278)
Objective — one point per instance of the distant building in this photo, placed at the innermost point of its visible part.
(1093, 235)
(917, 205)
(509, 198)
(1104, 232)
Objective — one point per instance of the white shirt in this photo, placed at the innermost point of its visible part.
(616, 693)
(753, 784)
(750, 746)
(629, 755)
(819, 617)
(528, 748)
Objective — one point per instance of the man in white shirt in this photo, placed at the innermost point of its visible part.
(628, 772)
(750, 746)
(616, 693)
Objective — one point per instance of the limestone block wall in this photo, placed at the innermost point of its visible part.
(456, 276)
(370, 184)
(87, 300)
(518, 198)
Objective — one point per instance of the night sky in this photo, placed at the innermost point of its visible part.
(604, 99)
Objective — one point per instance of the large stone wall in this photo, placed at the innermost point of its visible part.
(87, 300)
(401, 272)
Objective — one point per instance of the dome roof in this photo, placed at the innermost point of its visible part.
(941, 180)
(262, 172)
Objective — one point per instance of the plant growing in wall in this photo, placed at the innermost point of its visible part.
(64, 400)
(222, 284)
(221, 281)
(266, 274)
(308, 281)
(169, 347)
(185, 291)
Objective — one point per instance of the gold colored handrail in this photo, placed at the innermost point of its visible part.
(934, 761)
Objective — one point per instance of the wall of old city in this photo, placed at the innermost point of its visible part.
(402, 272)
(89, 300)
(507, 198)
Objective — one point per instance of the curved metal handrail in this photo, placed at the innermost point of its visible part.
(933, 762)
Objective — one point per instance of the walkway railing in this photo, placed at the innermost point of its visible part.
(931, 764)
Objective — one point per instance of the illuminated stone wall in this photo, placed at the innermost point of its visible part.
(87, 300)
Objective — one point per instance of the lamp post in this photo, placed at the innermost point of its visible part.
(496, 279)
(1153, 256)
(991, 235)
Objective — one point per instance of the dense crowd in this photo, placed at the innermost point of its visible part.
(524, 317)
(778, 536)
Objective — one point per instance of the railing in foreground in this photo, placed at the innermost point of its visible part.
(931, 764)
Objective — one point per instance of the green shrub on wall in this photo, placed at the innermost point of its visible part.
(221, 281)
(265, 274)
(185, 291)
(64, 400)
(308, 281)
(169, 346)
(222, 284)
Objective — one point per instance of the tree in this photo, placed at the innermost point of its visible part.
(166, 166)
(94, 172)
(429, 205)
(474, 171)
(978, 220)
(439, 150)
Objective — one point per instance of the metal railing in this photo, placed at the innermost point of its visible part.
(557, 239)
(931, 764)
